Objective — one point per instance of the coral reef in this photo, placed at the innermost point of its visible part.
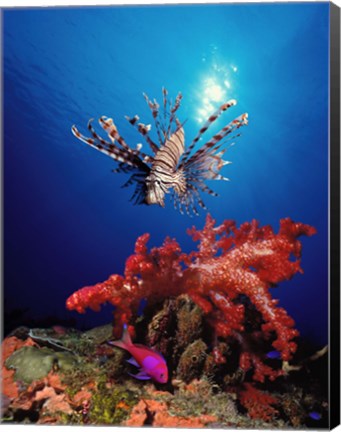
(42, 385)
(97, 390)
(209, 312)
(31, 363)
(111, 405)
(155, 413)
(228, 277)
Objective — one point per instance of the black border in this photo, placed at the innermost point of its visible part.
(334, 328)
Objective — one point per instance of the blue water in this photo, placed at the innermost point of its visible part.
(68, 223)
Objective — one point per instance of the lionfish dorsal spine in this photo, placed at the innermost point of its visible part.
(144, 131)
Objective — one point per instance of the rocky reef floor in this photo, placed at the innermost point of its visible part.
(62, 376)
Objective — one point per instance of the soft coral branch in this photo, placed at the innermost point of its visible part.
(258, 404)
(253, 259)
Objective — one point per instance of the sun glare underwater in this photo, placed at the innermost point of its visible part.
(68, 222)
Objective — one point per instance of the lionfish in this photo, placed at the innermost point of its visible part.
(170, 168)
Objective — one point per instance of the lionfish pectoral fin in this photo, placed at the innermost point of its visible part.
(78, 135)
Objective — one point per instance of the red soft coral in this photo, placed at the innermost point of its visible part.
(253, 259)
(258, 403)
(153, 275)
(230, 262)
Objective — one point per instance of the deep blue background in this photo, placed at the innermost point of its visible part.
(67, 222)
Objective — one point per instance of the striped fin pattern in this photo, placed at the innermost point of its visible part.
(207, 124)
(144, 131)
(206, 162)
(170, 169)
(129, 160)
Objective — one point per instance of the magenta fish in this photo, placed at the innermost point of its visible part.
(152, 365)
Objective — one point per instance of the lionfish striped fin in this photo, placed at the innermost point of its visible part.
(164, 94)
(122, 168)
(188, 201)
(198, 197)
(139, 195)
(144, 131)
(109, 126)
(106, 148)
(173, 110)
(233, 125)
(207, 124)
(154, 107)
(137, 177)
(208, 166)
(198, 183)
(164, 132)
(134, 154)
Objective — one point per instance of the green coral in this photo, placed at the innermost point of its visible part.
(115, 366)
(111, 405)
(65, 361)
(99, 334)
(77, 377)
(88, 371)
(31, 363)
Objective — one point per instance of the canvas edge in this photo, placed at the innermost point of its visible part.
(334, 328)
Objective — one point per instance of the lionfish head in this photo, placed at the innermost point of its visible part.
(155, 191)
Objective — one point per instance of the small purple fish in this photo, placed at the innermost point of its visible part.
(151, 364)
(273, 355)
(315, 415)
